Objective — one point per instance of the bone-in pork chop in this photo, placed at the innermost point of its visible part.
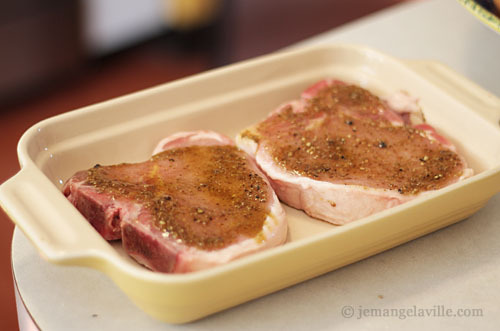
(199, 202)
(341, 153)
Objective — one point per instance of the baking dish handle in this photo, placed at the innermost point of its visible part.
(484, 103)
(58, 233)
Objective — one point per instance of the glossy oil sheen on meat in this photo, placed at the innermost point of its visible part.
(341, 153)
(201, 195)
(197, 203)
(340, 137)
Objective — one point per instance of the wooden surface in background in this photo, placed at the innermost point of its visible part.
(248, 28)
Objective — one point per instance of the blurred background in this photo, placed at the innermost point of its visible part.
(58, 55)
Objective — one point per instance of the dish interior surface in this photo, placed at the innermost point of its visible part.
(228, 100)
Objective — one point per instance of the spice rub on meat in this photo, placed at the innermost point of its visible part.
(198, 202)
(340, 153)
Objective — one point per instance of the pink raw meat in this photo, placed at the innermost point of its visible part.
(341, 153)
(197, 203)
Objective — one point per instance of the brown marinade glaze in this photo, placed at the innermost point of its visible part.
(341, 137)
(204, 196)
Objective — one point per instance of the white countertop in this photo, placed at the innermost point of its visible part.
(440, 30)
(455, 268)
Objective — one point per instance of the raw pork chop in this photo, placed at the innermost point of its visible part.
(340, 153)
(197, 203)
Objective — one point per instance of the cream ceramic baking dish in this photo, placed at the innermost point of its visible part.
(227, 100)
